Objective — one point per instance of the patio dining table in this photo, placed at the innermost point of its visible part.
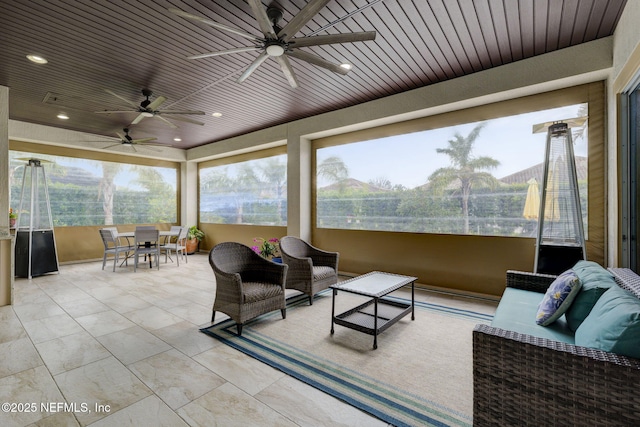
(167, 234)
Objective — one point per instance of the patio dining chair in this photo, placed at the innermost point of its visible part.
(247, 285)
(113, 247)
(179, 246)
(146, 243)
(311, 270)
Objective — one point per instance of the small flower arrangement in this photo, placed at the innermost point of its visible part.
(12, 214)
(266, 248)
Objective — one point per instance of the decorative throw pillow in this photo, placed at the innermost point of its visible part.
(595, 281)
(558, 298)
(613, 324)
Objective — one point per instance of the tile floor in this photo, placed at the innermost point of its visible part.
(88, 347)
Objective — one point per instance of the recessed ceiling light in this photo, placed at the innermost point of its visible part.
(216, 114)
(346, 66)
(177, 139)
(63, 116)
(37, 59)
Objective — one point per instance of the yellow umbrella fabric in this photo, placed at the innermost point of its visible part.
(532, 202)
(552, 200)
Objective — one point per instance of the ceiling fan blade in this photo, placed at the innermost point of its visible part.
(166, 121)
(139, 118)
(263, 20)
(121, 98)
(225, 52)
(138, 141)
(253, 66)
(187, 119)
(121, 136)
(316, 60)
(285, 65)
(301, 18)
(156, 103)
(112, 145)
(200, 113)
(115, 111)
(332, 38)
(216, 25)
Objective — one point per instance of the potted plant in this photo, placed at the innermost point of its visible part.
(12, 218)
(194, 236)
(268, 249)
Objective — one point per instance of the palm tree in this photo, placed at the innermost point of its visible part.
(107, 189)
(465, 170)
(333, 170)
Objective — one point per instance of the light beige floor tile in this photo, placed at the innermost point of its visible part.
(125, 303)
(70, 352)
(133, 344)
(40, 310)
(152, 318)
(175, 378)
(194, 313)
(106, 292)
(50, 328)
(228, 406)
(104, 322)
(83, 307)
(65, 293)
(186, 337)
(59, 419)
(25, 292)
(17, 356)
(29, 386)
(150, 411)
(245, 372)
(308, 406)
(106, 383)
(11, 326)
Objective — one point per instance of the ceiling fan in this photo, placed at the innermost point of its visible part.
(280, 43)
(124, 139)
(148, 108)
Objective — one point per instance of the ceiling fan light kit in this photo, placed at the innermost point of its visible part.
(278, 42)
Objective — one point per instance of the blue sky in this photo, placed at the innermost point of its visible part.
(409, 159)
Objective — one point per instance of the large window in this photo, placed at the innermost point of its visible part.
(245, 192)
(95, 192)
(471, 178)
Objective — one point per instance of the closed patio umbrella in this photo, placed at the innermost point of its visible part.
(532, 202)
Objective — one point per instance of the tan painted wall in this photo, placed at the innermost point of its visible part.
(469, 263)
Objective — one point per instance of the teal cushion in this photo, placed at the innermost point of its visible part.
(517, 312)
(558, 298)
(613, 324)
(595, 281)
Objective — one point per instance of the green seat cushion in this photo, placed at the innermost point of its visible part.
(613, 324)
(517, 312)
(558, 298)
(595, 281)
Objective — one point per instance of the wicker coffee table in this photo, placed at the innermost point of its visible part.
(378, 314)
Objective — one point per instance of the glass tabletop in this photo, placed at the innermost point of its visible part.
(374, 284)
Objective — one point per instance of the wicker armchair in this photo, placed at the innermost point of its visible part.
(310, 269)
(520, 379)
(247, 285)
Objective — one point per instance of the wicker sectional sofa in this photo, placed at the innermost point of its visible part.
(540, 378)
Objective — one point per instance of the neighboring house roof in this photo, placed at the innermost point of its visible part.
(523, 176)
(352, 184)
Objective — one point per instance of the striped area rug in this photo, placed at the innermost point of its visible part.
(421, 373)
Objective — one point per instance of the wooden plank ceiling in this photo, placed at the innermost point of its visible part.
(127, 45)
